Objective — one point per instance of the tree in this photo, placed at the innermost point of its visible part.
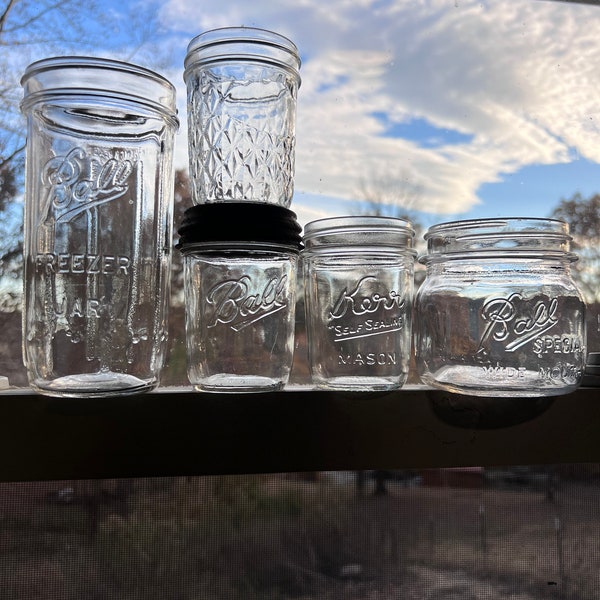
(30, 30)
(389, 195)
(583, 217)
(182, 200)
(396, 190)
(34, 29)
(11, 238)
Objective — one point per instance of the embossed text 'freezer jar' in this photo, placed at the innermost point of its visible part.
(242, 85)
(98, 225)
(240, 263)
(498, 313)
(358, 297)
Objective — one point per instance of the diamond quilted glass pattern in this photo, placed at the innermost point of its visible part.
(242, 133)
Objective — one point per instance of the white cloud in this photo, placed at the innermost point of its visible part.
(519, 79)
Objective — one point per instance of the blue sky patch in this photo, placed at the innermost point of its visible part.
(334, 83)
(535, 190)
(422, 132)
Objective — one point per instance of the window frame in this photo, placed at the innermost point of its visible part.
(180, 432)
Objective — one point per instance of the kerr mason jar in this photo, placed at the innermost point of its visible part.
(242, 85)
(358, 298)
(240, 263)
(498, 313)
(98, 225)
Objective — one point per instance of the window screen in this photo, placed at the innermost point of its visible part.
(519, 533)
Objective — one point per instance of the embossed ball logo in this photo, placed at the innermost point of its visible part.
(515, 321)
(241, 302)
(77, 183)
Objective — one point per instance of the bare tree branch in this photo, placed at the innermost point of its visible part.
(5, 14)
(389, 193)
(30, 29)
(36, 17)
(6, 160)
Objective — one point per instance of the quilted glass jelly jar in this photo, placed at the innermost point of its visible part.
(358, 275)
(498, 313)
(242, 85)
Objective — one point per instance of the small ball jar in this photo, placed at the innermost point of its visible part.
(499, 313)
(240, 265)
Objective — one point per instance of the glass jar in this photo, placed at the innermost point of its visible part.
(498, 313)
(242, 85)
(358, 275)
(98, 225)
(240, 264)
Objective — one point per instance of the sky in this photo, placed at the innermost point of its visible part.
(486, 108)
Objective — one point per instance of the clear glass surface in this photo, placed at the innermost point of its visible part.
(240, 310)
(499, 313)
(389, 234)
(358, 316)
(242, 86)
(98, 223)
(500, 327)
(358, 299)
(497, 236)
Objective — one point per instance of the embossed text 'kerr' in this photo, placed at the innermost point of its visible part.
(348, 317)
(366, 303)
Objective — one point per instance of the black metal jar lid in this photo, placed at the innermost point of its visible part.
(237, 224)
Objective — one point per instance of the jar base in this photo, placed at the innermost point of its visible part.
(359, 384)
(240, 384)
(94, 385)
(468, 381)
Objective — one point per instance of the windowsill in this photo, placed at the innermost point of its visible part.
(176, 431)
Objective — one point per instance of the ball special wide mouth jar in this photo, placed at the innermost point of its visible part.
(498, 313)
(358, 299)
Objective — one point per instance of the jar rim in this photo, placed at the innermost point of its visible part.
(363, 233)
(355, 223)
(498, 238)
(87, 75)
(499, 255)
(242, 44)
(502, 225)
